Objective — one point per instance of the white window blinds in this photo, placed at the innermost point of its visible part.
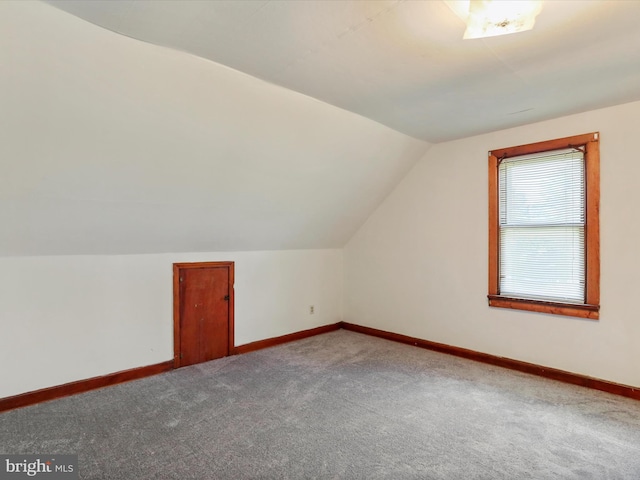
(541, 201)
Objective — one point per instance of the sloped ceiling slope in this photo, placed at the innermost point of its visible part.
(404, 63)
(113, 146)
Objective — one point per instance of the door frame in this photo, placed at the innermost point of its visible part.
(177, 268)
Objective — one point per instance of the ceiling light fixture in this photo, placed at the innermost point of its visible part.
(488, 18)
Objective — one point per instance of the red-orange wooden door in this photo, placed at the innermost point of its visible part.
(204, 323)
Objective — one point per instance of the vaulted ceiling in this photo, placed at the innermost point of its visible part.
(261, 125)
(404, 63)
(110, 145)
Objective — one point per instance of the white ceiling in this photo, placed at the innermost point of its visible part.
(404, 63)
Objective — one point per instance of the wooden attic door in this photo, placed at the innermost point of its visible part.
(202, 311)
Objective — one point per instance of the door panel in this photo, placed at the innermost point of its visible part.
(204, 313)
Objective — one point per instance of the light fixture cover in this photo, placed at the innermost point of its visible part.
(488, 18)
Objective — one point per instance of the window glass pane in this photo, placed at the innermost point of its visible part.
(543, 263)
(545, 190)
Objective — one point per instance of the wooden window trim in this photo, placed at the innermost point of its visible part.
(591, 308)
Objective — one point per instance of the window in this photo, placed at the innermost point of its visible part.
(544, 242)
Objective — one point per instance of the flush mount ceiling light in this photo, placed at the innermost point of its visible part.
(488, 18)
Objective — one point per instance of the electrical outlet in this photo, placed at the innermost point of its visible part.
(312, 309)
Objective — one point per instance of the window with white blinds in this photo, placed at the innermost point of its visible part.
(544, 230)
(542, 226)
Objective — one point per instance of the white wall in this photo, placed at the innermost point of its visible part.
(419, 264)
(109, 145)
(115, 151)
(67, 318)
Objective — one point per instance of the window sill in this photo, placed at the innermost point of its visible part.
(555, 308)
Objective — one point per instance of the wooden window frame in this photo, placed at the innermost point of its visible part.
(591, 308)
